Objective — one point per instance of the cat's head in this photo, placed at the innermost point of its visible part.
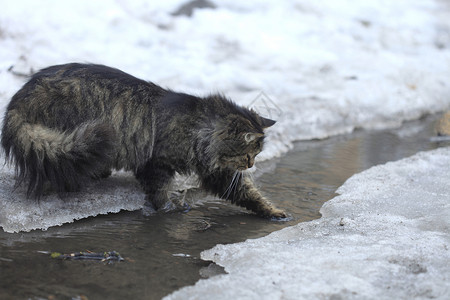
(238, 137)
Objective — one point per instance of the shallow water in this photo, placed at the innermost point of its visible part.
(162, 252)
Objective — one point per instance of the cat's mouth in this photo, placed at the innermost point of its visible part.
(247, 164)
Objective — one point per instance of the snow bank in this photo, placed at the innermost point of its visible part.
(326, 67)
(17, 213)
(385, 237)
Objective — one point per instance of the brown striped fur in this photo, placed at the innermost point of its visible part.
(71, 123)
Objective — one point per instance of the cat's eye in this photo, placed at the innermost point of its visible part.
(249, 137)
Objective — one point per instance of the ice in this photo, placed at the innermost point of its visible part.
(386, 236)
(329, 66)
(18, 213)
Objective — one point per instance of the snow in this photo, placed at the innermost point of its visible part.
(324, 67)
(386, 236)
(17, 213)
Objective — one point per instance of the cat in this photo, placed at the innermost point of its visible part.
(76, 122)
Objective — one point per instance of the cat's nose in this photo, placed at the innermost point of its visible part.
(250, 161)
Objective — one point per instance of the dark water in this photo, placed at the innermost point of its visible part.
(162, 252)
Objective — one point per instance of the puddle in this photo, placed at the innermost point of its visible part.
(162, 252)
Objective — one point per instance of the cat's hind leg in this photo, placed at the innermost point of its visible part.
(155, 180)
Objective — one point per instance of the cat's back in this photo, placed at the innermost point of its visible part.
(81, 84)
(87, 74)
(64, 96)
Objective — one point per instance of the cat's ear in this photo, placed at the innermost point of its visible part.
(266, 123)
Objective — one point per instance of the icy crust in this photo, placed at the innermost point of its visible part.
(17, 213)
(385, 237)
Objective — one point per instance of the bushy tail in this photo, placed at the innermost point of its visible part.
(64, 159)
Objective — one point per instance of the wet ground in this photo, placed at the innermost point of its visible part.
(162, 252)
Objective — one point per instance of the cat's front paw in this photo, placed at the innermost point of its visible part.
(277, 214)
(273, 213)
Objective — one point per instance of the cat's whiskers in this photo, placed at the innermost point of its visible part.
(251, 173)
(238, 181)
(233, 184)
(229, 186)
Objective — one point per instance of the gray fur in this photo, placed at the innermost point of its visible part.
(71, 123)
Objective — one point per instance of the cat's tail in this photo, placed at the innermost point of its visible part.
(63, 159)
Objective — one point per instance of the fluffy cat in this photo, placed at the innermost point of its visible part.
(74, 122)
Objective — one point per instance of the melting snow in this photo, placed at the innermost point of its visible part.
(385, 237)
